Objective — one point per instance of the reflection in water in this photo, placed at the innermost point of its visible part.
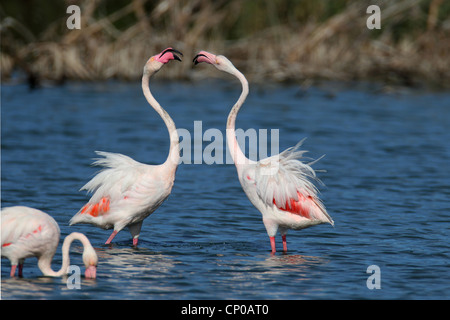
(295, 264)
(143, 270)
(29, 288)
(138, 268)
(294, 260)
(133, 261)
(261, 274)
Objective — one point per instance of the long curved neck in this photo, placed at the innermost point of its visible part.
(174, 152)
(45, 261)
(233, 145)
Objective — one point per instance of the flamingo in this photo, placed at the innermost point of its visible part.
(29, 232)
(281, 187)
(125, 192)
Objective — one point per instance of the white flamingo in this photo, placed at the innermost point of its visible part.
(125, 192)
(281, 187)
(28, 232)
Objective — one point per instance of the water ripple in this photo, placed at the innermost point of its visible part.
(386, 186)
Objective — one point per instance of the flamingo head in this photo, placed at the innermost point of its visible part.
(90, 261)
(220, 62)
(157, 61)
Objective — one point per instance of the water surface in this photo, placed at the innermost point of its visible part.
(387, 187)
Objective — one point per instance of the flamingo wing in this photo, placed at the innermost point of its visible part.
(124, 185)
(286, 182)
(119, 173)
(29, 227)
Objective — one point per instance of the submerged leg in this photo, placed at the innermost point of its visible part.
(20, 269)
(135, 230)
(283, 237)
(113, 234)
(272, 244)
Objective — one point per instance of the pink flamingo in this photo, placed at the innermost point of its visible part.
(125, 192)
(28, 232)
(280, 186)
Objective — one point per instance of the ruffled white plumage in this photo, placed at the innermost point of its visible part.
(117, 177)
(134, 190)
(283, 188)
(282, 176)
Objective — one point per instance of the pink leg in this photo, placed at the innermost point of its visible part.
(20, 269)
(111, 237)
(284, 243)
(13, 270)
(135, 242)
(272, 244)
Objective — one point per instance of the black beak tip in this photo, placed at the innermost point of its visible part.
(173, 51)
(174, 55)
(195, 61)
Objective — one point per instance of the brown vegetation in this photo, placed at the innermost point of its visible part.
(272, 45)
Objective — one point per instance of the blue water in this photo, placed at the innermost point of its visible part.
(387, 187)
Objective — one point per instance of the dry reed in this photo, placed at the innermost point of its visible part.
(339, 48)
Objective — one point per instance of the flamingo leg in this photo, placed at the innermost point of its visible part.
(113, 234)
(283, 237)
(13, 270)
(272, 244)
(135, 230)
(20, 269)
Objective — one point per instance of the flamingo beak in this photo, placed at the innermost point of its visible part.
(173, 51)
(204, 56)
(195, 61)
(90, 272)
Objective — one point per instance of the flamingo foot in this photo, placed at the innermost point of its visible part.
(113, 234)
(272, 244)
(284, 243)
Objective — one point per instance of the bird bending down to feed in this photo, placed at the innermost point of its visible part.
(281, 186)
(28, 232)
(125, 192)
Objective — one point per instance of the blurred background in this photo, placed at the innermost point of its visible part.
(269, 40)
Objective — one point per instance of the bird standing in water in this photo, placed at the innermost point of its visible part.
(281, 187)
(125, 192)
